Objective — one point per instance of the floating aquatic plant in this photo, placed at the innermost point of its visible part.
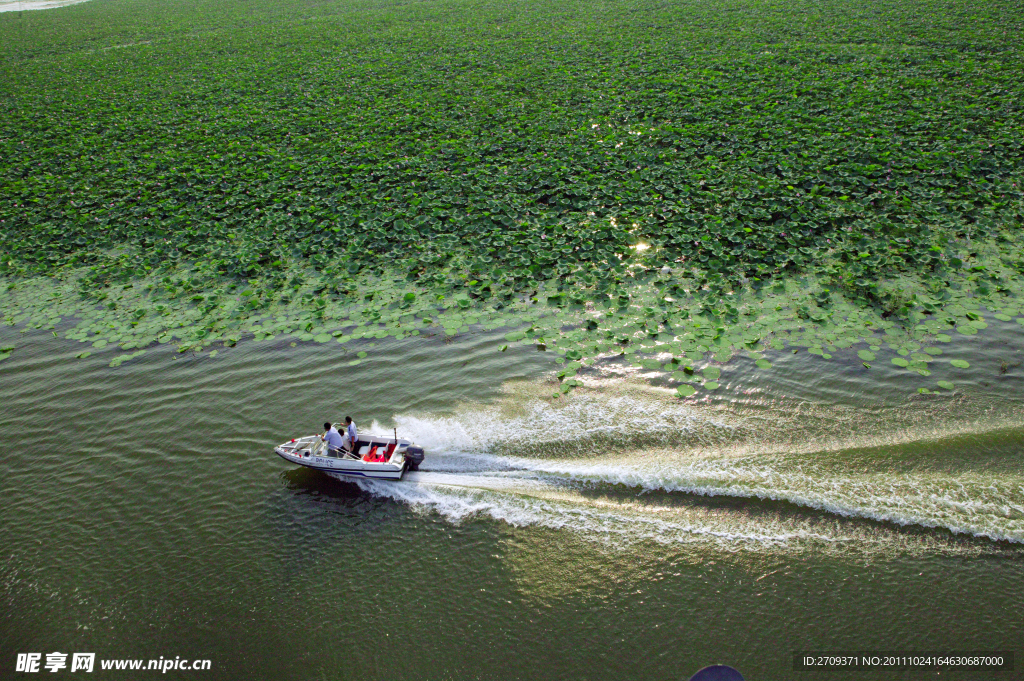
(671, 186)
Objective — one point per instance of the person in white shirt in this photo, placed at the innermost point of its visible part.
(332, 437)
(350, 434)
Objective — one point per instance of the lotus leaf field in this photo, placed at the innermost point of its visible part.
(679, 182)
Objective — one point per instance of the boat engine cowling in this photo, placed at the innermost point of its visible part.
(414, 456)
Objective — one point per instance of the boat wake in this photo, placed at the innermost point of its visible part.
(629, 464)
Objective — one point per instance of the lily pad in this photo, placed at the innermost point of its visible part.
(685, 390)
(711, 385)
(866, 355)
(900, 362)
(960, 363)
(945, 384)
(121, 359)
(763, 364)
(711, 373)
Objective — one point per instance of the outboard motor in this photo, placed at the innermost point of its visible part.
(414, 457)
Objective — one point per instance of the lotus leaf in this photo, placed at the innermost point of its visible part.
(685, 390)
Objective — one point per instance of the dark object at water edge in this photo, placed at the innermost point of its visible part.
(717, 672)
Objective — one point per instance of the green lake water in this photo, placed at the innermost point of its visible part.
(615, 533)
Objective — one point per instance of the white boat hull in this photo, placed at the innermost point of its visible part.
(311, 453)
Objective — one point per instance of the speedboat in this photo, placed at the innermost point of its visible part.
(381, 458)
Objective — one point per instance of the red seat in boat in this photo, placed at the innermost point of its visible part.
(380, 453)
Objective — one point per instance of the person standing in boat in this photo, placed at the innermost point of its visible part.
(350, 434)
(332, 437)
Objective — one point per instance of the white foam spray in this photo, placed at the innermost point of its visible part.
(527, 462)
